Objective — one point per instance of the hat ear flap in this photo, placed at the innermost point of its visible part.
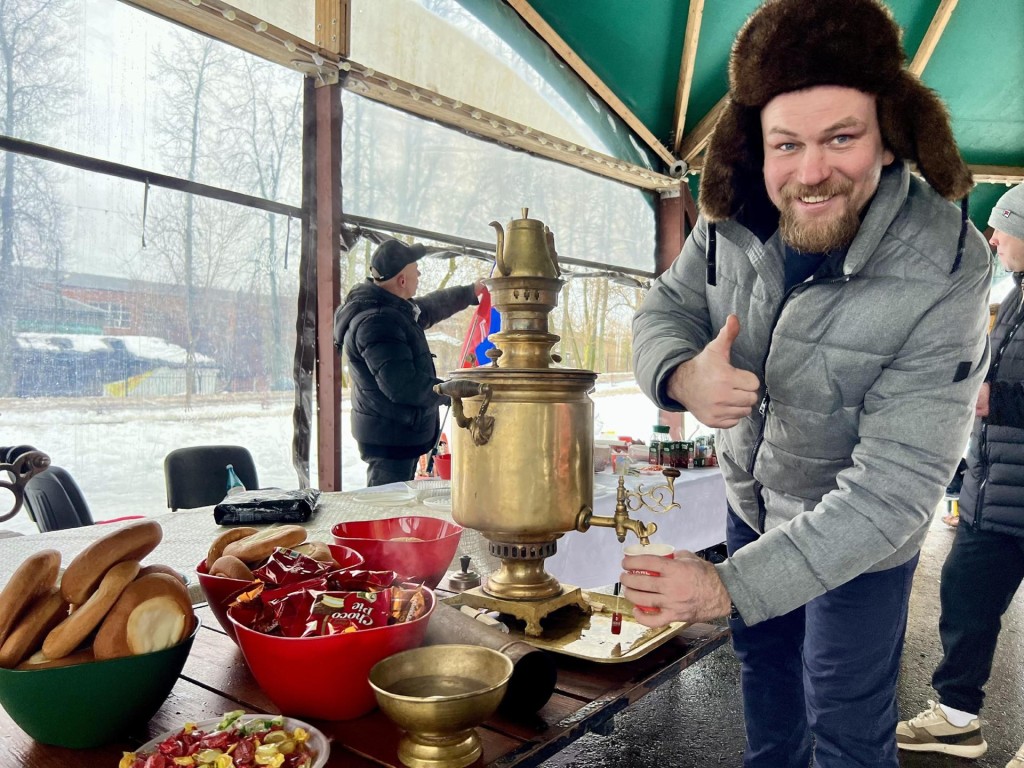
(915, 126)
(727, 162)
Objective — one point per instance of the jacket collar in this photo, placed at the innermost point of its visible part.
(369, 291)
(889, 198)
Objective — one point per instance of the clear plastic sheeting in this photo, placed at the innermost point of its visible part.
(481, 53)
(399, 168)
(147, 321)
(105, 80)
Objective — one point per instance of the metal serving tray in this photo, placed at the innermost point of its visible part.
(570, 632)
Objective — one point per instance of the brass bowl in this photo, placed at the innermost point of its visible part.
(438, 694)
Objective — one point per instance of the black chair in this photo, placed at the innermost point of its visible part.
(197, 476)
(54, 500)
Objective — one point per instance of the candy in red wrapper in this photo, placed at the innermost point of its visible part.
(247, 607)
(277, 610)
(336, 602)
(286, 566)
(291, 612)
(352, 580)
(273, 592)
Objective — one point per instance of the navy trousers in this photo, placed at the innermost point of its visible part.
(819, 683)
(979, 579)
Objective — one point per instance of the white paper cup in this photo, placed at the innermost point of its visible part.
(658, 550)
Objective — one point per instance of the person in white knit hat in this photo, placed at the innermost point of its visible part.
(985, 565)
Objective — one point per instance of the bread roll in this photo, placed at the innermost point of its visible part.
(69, 634)
(158, 568)
(317, 550)
(261, 545)
(153, 613)
(43, 615)
(132, 542)
(231, 568)
(230, 535)
(33, 578)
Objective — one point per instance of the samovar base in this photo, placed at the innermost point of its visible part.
(532, 612)
(521, 575)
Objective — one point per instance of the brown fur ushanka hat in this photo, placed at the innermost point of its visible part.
(789, 45)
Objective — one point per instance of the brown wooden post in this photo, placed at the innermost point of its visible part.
(676, 216)
(328, 243)
(671, 225)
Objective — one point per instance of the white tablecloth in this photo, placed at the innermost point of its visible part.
(584, 559)
(594, 558)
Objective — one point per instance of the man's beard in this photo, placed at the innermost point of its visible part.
(817, 235)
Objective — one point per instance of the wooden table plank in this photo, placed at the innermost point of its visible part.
(216, 667)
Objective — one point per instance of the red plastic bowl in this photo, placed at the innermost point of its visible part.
(220, 589)
(346, 556)
(325, 677)
(425, 560)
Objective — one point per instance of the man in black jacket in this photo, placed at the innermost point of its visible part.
(381, 327)
(985, 565)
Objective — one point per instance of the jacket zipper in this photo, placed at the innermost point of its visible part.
(993, 369)
(766, 399)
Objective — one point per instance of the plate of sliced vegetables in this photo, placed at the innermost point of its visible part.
(238, 739)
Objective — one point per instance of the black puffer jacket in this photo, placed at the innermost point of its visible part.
(992, 497)
(394, 406)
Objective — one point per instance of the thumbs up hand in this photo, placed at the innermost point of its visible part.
(709, 387)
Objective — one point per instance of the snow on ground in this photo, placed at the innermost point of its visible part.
(115, 449)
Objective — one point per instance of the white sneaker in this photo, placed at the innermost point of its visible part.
(930, 731)
(1017, 761)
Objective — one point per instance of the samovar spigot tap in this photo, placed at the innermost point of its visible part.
(658, 498)
(620, 521)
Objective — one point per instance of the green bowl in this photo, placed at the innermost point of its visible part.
(88, 705)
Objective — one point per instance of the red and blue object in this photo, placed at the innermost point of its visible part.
(486, 320)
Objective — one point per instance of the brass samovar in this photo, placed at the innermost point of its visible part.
(523, 462)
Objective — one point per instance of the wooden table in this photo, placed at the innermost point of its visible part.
(216, 680)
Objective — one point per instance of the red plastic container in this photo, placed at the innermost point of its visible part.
(219, 589)
(425, 560)
(443, 466)
(325, 677)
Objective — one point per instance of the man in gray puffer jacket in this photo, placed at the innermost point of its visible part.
(828, 315)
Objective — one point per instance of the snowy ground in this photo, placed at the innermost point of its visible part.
(115, 449)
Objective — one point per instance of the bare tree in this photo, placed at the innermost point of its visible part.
(37, 76)
(191, 239)
(264, 150)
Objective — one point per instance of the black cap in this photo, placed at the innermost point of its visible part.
(392, 256)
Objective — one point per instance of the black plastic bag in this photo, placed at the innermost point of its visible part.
(267, 505)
